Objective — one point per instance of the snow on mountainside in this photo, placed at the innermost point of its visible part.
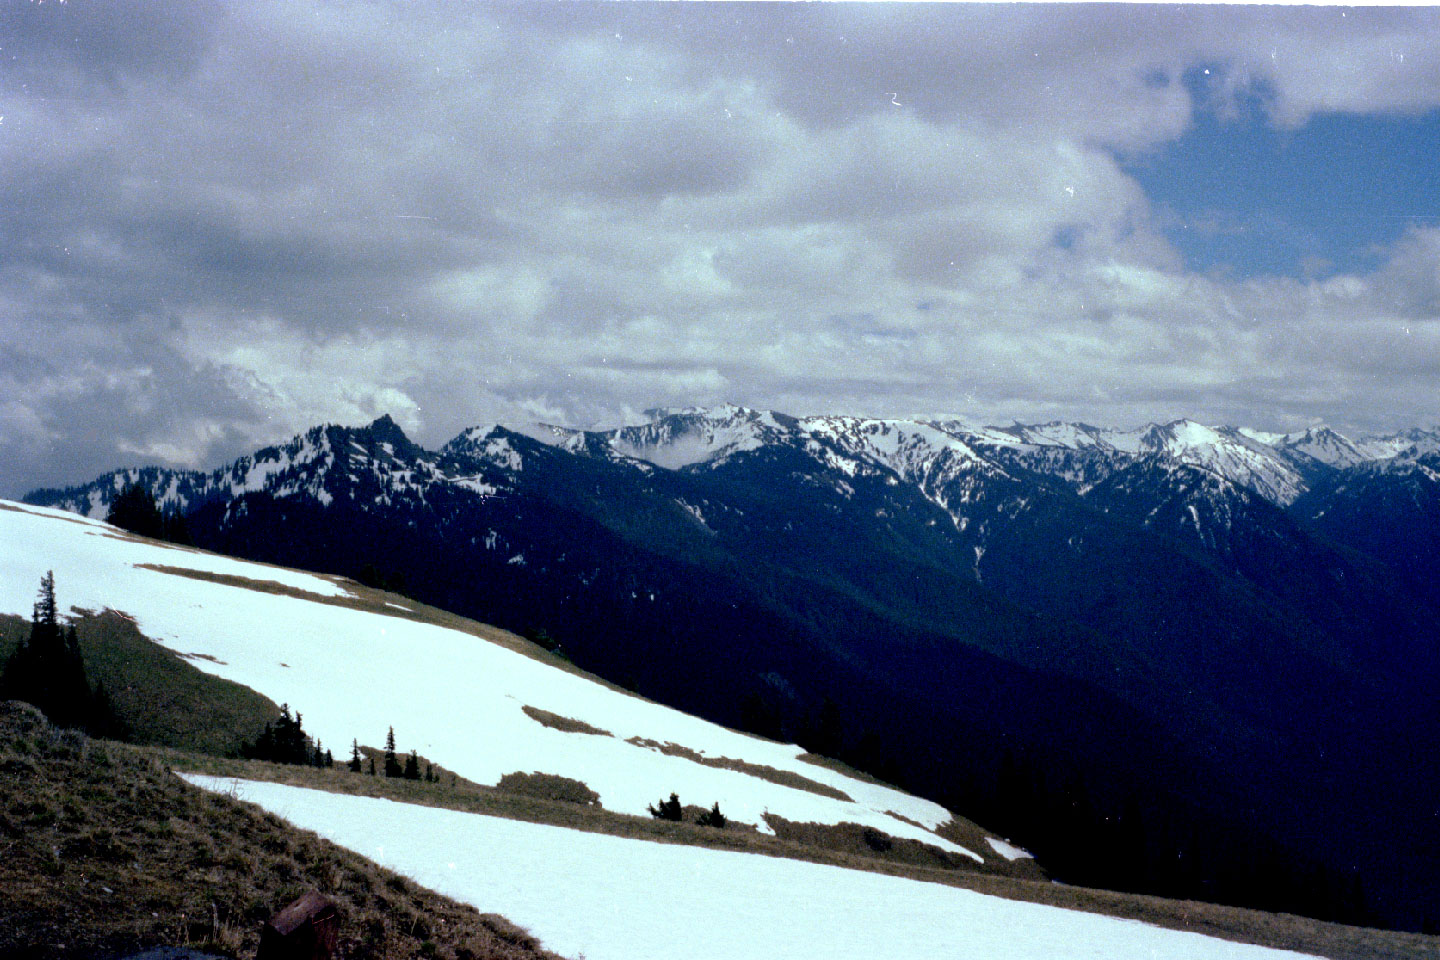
(1274, 466)
(1411, 443)
(594, 896)
(1324, 445)
(380, 463)
(680, 439)
(1230, 453)
(459, 698)
(377, 462)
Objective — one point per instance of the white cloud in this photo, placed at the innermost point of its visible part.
(291, 215)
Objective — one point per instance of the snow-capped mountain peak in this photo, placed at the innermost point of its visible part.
(698, 435)
(1324, 445)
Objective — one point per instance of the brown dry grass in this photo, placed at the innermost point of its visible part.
(457, 793)
(564, 724)
(103, 850)
(760, 771)
(862, 841)
(548, 786)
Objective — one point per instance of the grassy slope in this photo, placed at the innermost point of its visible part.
(102, 850)
(164, 700)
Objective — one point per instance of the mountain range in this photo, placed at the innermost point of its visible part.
(1210, 647)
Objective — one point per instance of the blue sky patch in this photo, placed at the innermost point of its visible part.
(1245, 198)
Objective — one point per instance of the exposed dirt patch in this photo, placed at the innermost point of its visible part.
(784, 778)
(853, 838)
(564, 724)
(549, 786)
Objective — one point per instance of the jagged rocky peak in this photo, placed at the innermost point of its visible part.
(384, 429)
(382, 439)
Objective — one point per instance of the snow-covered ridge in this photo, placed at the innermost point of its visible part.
(456, 697)
(935, 455)
(1277, 466)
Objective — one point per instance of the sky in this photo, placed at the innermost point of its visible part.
(223, 223)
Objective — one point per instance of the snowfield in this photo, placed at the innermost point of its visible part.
(609, 898)
(454, 697)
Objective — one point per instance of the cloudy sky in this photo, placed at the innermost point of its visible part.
(221, 224)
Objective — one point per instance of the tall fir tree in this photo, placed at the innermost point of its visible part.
(392, 763)
(46, 670)
(355, 756)
(412, 766)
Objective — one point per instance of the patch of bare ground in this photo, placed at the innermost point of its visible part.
(859, 840)
(1281, 931)
(64, 515)
(972, 837)
(548, 786)
(564, 724)
(784, 778)
(457, 793)
(105, 851)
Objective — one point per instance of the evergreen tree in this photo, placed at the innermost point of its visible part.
(44, 615)
(285, 741)
(668, 809)
(392, 765)
(354, 756)
(329, 760)
(176, 529)
(46, 670)
(134, 510)
(412, 766)
(712, 817)
(429, 772)
(372, 766)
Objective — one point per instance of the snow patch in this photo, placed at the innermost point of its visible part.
(1008, 850)
(592, 895)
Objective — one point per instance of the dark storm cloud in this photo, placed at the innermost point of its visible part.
(223, 223)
